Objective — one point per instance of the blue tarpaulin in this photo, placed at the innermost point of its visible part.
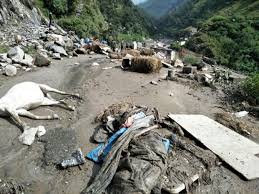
(99, 153)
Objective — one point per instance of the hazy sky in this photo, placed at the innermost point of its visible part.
(138, 1)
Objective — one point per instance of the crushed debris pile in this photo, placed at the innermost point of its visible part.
(138, 155)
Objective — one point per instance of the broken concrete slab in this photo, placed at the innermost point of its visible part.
(236, 150)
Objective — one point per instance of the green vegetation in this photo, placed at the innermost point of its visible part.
(30, 50)
(233, 41)
(228, 30)
(3, 48)
(191, 60)
(157, 9)
(251, 87)
(98, 17)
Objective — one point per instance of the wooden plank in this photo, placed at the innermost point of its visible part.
(236, 150)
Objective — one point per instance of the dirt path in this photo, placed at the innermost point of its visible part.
(34, 165)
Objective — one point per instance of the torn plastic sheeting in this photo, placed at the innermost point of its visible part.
(140, 171)
(111, 162)
(99, 153)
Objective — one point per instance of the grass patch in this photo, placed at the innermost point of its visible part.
(3, 48)
(251, 87)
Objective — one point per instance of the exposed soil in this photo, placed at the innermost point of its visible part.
(35, 166)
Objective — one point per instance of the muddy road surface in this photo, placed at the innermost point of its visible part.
(36, 166)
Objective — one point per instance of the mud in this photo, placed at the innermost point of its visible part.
(99, 89)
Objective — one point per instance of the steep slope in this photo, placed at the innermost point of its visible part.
(124, 17)
(159, 8)
(228, 30)
(98, 17)
(18, 9)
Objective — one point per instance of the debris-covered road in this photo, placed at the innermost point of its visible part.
(35, 166)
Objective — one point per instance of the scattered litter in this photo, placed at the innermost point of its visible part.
(171, 94)
(241, 114)
(106, 68)
(95, 64)
(41, 131)
(76, 159)
(167, 65)
(154, 82)
(28, 135)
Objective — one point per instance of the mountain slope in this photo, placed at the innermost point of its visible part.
(99, 17)
(159, 8)
(228, 30)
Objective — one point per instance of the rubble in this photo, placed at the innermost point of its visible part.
(178, 63)
(16, 54)
(189, 70)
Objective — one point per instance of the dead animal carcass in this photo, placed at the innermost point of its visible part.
(142, 64)
(29, 95)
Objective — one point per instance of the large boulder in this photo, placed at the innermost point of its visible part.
(10, 70)
(27, 61)
(41, 60)
(58, 49)
(16, 54)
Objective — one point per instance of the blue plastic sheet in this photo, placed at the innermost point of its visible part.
(98, 154)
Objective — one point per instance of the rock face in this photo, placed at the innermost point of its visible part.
(20, 9)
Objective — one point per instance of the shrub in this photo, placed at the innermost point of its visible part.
(3, 48)
(191, 60)
(251, 87)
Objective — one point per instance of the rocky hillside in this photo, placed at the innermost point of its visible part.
(11, 10)
(227, 30)
(159, 8)
(98, 17)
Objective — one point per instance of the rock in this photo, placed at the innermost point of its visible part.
(81, 51)
(27, 61)
(189, 70)
(58, 39)
(3, 58)
(41, 60)
(3, 64)
(91, 53)
(16, 53)
(178, 63)
(56, 56)
(95, 64)
(18, 39)
(17, 65)
(58, 49)
(69, 44)
(10, 70)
